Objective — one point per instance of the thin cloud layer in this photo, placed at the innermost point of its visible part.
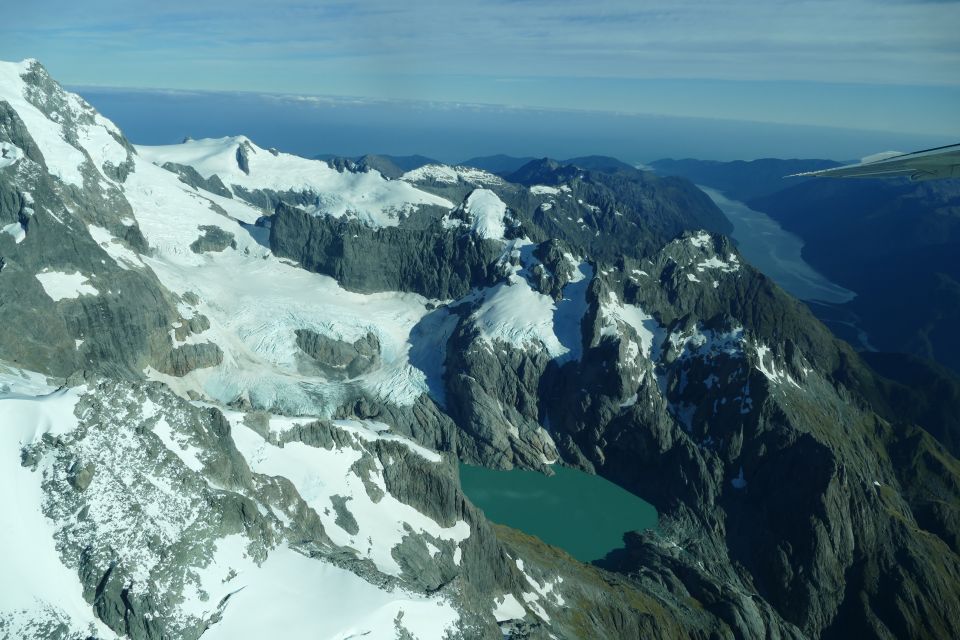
(540, 52)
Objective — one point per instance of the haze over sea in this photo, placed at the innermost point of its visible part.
(452, 132)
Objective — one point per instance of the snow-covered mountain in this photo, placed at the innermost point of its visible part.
(451, 175)
(242, 167)
(235, 386)
(198, 522)
(142, 513)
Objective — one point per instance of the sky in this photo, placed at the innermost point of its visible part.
(880, 65)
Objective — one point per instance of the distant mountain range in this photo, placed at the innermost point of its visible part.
(389, 166)
(500, 164)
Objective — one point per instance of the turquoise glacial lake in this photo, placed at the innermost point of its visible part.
(583, 514)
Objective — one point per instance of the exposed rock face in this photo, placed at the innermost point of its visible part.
(742, 420)
(190, 176)
(608, 215)
(213, 239)
(185, 358)
(243, 157)
(435, 263)
(269, 199)
(123, 326)
(392, 167)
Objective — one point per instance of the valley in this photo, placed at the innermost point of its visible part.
(776, 252)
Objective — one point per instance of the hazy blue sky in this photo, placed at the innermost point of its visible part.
(871, 64)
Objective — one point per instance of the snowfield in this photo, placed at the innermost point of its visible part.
(96, 138)
(16, 230)
(446, 174)
(544, 190)
(66, 286)
(650, 333)
(123, 257)
(513, 312)
(486, 212)
(309, 599)
(367, 196)
(9, 154)
(63, 159)
(507, 607)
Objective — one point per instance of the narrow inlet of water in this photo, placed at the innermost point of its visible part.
(776, 252)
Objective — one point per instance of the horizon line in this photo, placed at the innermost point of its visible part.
(341, 100)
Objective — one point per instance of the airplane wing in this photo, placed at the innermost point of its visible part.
(930, 164)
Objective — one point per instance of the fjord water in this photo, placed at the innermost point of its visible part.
(776, 252)
(583, 514)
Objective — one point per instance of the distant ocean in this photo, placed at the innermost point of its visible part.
(454, 132)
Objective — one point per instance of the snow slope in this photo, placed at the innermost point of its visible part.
(92, 138)
(486, 212)
(309, 599)
(366, 196)
(35, 582)
(613, 312)
(515, 313)
(63, 159)
(16, 230)
(9, 154)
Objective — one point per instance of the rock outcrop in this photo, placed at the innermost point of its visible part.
(338, 357)
(435, 262)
